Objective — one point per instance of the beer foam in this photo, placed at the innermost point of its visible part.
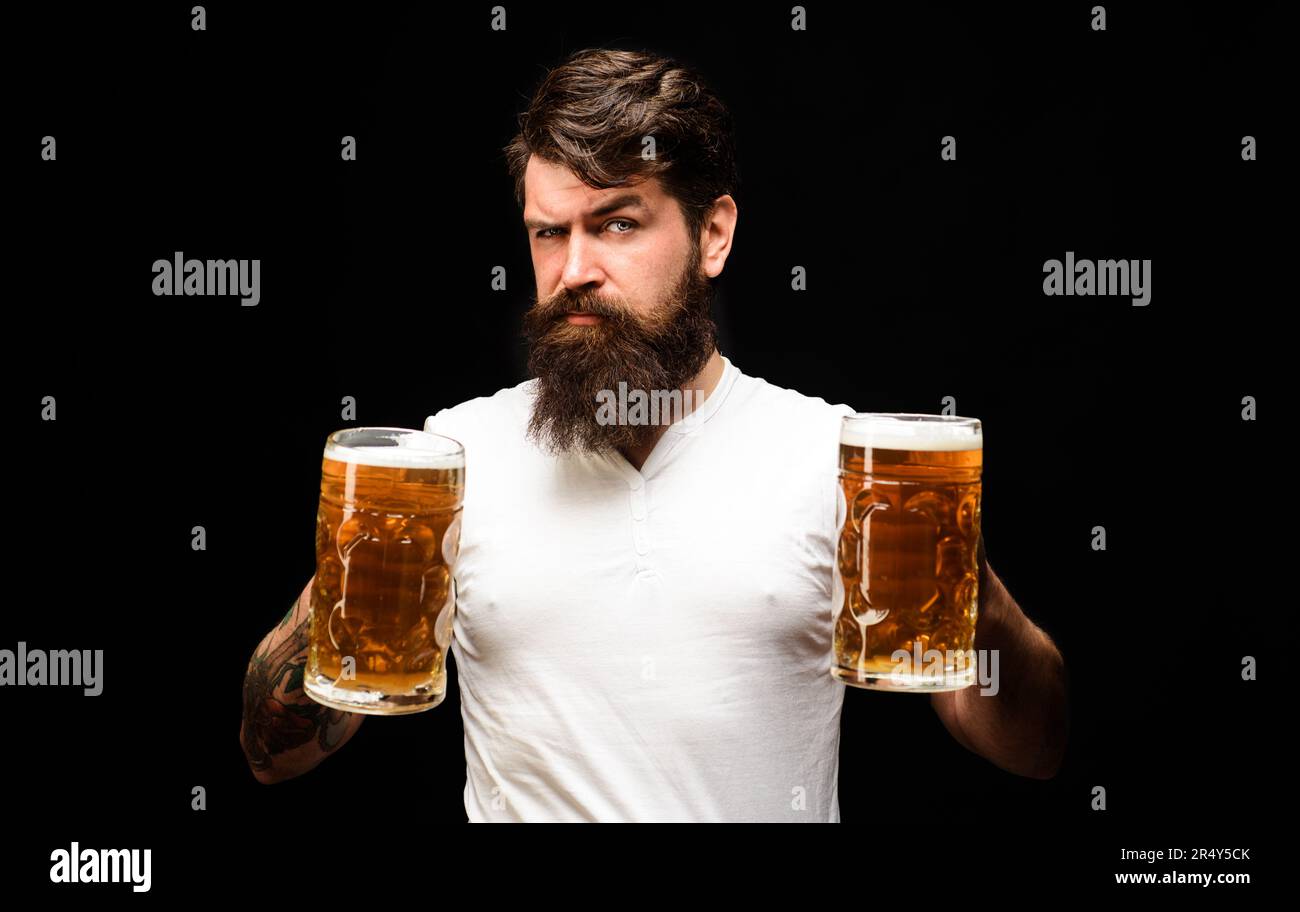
(908, 431)
(409, 453)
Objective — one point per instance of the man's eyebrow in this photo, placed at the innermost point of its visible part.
(623, 200)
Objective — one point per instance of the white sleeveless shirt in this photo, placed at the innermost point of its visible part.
(650, 645)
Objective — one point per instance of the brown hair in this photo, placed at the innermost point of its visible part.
(590, 113)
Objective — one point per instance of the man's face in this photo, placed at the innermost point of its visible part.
(620, 298)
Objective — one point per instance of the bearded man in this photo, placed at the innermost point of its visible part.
(642, 628)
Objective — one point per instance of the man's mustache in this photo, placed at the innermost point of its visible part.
(556, 306)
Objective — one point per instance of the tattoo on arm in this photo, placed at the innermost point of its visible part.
(278, 716)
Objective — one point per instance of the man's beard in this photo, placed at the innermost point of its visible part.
(572, 363)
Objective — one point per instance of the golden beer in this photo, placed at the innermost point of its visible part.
(906, 580)
(387, 536)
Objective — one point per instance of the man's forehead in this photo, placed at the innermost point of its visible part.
(549, 187)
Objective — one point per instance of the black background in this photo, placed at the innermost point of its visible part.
(925, 281)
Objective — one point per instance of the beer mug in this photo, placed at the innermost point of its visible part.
(906, 578)
(387, 535)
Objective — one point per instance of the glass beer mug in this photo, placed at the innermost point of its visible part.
(387, 536)
(906, 579)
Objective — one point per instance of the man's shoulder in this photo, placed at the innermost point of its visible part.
(794, 432)
(501, 410)
(773, 401)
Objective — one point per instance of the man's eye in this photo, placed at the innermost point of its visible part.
(544, 232)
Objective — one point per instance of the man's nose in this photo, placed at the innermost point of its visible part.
(581, 268)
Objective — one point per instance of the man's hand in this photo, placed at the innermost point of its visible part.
(1022, 728)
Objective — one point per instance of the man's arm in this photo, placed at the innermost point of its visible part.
(1022, 728)
(285, 733)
